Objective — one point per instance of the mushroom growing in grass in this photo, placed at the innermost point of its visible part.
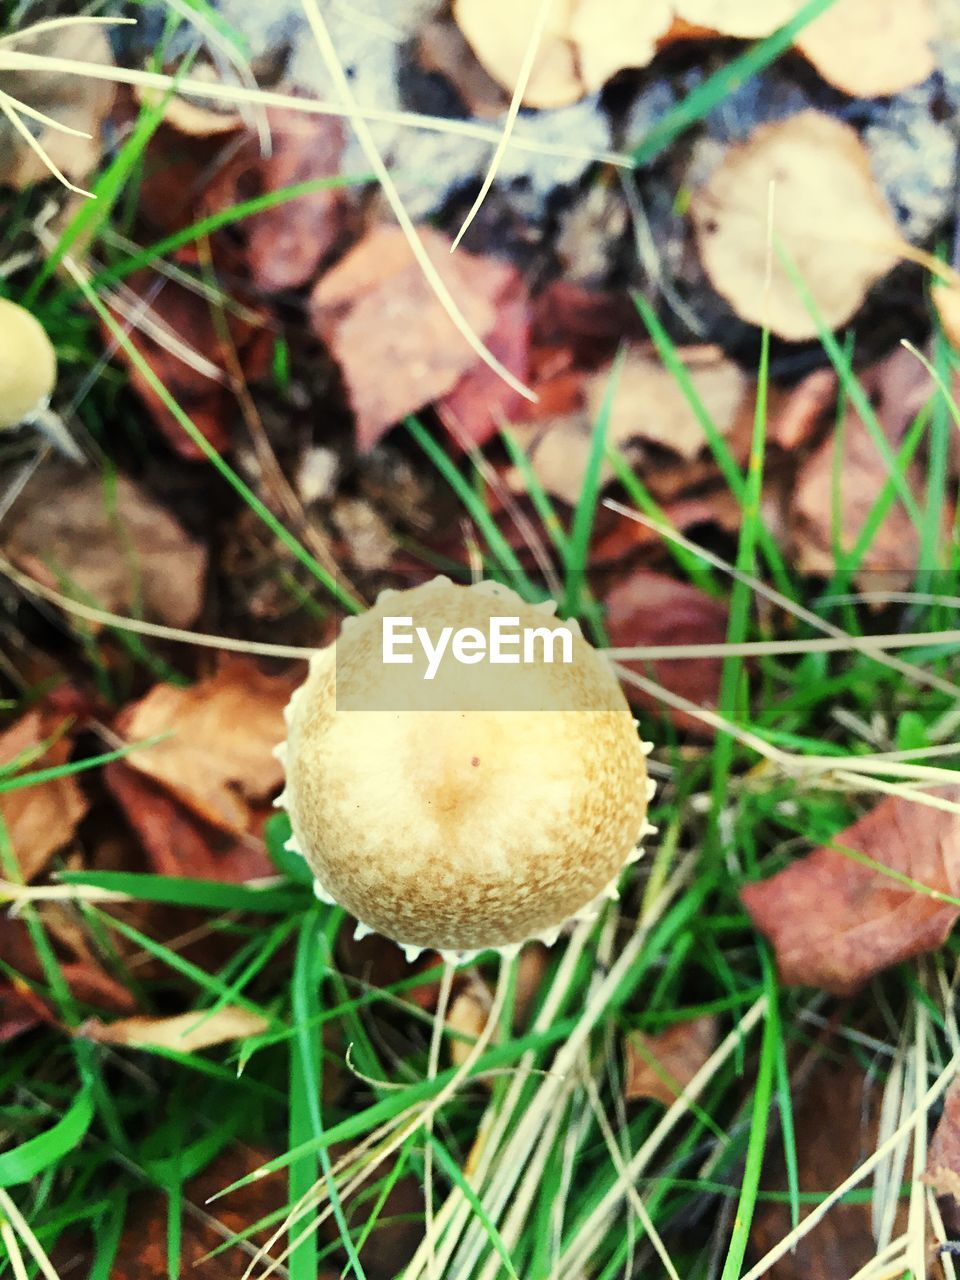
(463, 804)
(28, 374)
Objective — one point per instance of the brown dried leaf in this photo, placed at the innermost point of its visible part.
(946, 298)
(871, 48)
(891, 558)
(377, 312)
(943, 1160)
(743, 18)
(653, 609)
(42, 818)
(176, 842)
(481, 400)
(829, 215)
(184, 1032)
(584, 43)
(224, 731)
(661, 1066)
(285, 244)
(120, 554)
(836, 1125)
(192, 363)
(648, 403)
(76, 101)
(467, 1016)
(835, 922)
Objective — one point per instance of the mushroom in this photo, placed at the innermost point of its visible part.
(474, 808)
(28, 374)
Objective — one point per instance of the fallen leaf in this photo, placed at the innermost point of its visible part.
(184, 1032)
(943, 1160)
(583, 44)
(661, 1066)
(205, 1254)
(376, 311)
(41, 818)
(652, 609)
(185, 349)
(207, 119)
(285, 244)
(648, 407)
(836, 1122)
(890, 559)
(746, 19)
(649, 404)
(828, 214)
(475, 408)
(799, 411)
(946, 299)
(178, 843)
(467, 1016)
(224, 730)
(118, 550)
(442, 48)
(871, 48)
(81, 969)
(79, 102)
(21, 1009)
(835, 922)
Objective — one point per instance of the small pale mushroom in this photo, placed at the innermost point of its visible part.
(28, 375)
(473, 810)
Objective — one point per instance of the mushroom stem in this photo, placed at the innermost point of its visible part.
(55, 430)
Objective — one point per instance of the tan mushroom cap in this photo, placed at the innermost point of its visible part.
(28, 364)
(473, 827)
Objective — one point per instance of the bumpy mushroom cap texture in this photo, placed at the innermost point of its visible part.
(28, 364)
(473, 811)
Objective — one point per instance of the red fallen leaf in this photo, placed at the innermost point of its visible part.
(481, 400)
(799, 411)
(835, 922)
(395, 344)
(661, 1066)
(223, 731)
(943, 1160)
(285, 244)
(176, 842)
(198, 379)
(20, 1010)
(653, 609)
(587, 324)
(43, 817)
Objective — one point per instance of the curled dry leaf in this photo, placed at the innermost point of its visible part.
(653, 609)
(828, 214)
(184, 1033)
(117, 551)
(41, 818)
(890, 560)
(583, 44)
(376, 311)
(78, 102)
(661, 1066)
(871, 48)
(835, 922)
(223, 730)
(943, 1160)
(747, 19)
(285, 244)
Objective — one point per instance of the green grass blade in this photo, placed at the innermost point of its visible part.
(47, 1149)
